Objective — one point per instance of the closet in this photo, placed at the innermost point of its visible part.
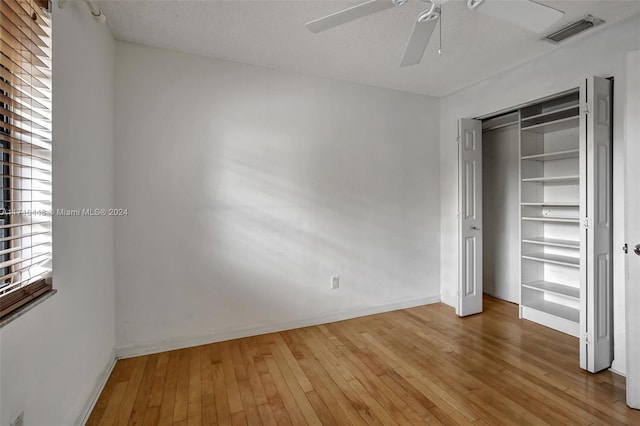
(543, 240)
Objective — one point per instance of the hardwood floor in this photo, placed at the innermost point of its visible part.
(414, 366)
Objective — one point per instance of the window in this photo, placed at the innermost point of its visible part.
(25, 153)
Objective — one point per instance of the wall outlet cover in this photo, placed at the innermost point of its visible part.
(335, 282)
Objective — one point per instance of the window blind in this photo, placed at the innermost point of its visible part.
(25, 152)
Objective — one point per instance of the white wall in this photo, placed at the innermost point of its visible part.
(248, 188)
(501, 213)
(51, 357)
(601, 54)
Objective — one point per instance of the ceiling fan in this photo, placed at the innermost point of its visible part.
(527, 14)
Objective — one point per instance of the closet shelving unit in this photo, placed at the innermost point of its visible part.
(550, 213)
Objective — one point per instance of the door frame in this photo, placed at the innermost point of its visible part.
(632, 233)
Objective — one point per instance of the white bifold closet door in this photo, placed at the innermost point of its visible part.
(596, 292)
(469, 217)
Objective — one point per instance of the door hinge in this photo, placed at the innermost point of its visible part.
(459, 293)
(586, 109)
(587, 339)
(458, 215)
(458, 139)
(587, 223)
(625, 248)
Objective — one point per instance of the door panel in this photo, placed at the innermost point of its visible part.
(470, 189)
(469, 217)
(596, 341)
(470, 278)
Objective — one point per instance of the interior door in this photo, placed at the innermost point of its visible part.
(596, 315)
(632, 204)
(469, 217)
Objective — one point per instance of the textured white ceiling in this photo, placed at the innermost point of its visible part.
(272, 34)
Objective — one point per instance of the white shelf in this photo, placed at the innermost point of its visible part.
(554, 179)
(544, 107)
(553, 126)
(552, 242)
(554, 288)
(551, 156)
(549, 115)
(551, 320)
(506, 120)
(500, 126)
(551, 219)
(555, 259)
(552, 204)
(555, 309)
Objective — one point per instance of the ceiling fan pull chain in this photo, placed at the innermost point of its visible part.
(440, 48)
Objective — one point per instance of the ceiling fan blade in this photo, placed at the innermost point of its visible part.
(418, 42)
(348, 15)
(529, 15)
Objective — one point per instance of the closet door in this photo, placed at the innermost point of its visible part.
(596, 313)
(469, 217)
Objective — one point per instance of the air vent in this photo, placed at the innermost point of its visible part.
(574, 28)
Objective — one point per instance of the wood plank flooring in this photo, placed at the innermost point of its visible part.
(418, 366)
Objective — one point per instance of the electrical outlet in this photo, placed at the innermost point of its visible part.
(335, 282)
(19, 420)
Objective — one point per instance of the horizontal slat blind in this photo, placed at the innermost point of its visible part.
(25, 152)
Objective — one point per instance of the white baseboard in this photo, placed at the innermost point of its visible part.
(101, 381)
(180, 343)
(448, 298)
(617, 368)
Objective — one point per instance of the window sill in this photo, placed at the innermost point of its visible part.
(26, 308)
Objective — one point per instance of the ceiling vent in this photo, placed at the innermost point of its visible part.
(574, 28)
